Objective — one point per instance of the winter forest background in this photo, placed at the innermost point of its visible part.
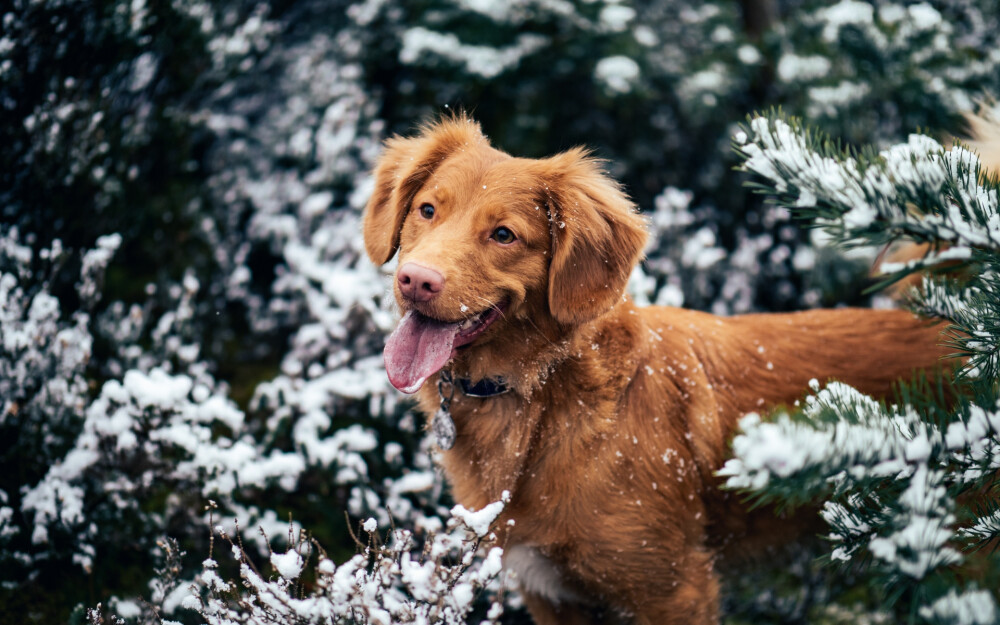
(195, 424)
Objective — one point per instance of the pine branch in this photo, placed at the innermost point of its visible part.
(915, 190)
(986, 530)
(897, 480)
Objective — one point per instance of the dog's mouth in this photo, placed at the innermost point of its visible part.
(420, 345)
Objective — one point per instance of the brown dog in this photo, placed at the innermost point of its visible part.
(614, 418)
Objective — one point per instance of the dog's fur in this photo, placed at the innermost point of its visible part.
(618, 416)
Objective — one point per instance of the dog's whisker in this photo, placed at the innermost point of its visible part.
(503, 314)
(491, 305)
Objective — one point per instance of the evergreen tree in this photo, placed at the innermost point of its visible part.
(910, 488)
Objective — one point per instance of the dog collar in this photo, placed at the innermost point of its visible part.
(442, 424)
(487, 387)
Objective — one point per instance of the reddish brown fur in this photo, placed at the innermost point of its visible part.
(619, 415)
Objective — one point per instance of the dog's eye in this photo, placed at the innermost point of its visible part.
(504, 235)
(427, 211)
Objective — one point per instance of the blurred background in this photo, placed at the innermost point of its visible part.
(186, 312)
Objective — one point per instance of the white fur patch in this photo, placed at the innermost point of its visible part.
(537, 574)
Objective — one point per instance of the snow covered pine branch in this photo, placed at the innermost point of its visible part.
(909, 489)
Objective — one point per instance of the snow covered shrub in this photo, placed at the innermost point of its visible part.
(687, 263)
(868, 72)
(909, 488)
(94, 124)
(398, 578)
(610, 72)
(288, 191)
(288, 187)
(43, 386)
(283, 204)
(104, 478)
(44, 356)
(98, 137)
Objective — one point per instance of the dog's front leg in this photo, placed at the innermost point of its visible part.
(692, 599)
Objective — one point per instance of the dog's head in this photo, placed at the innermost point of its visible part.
(485, 239)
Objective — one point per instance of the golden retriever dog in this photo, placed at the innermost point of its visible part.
(605, 422)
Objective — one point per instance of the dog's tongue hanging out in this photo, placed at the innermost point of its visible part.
(417, 349)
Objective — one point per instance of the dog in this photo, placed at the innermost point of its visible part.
(604, 421)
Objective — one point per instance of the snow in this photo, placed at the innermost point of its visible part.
(792, 68)
(480, 521)
(618, 74)
(179, 596)
(749, 55)
(700, 250)
(924, 16)
(645, 36)
(783, 447)
(288, 565)
(971, 607)
(985, 528)
(921, 544)
(126, 608)
(845, 12)
(156, 389)
(418, 42)
(881, 191)
(706, 84)
(414, 482)
(316, 204)
(400, 585)
(616, 17)
(143, 71)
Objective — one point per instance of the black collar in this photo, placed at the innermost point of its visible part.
(487, 387)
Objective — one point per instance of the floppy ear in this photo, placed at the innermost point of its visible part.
(597, 237)
(403, 168)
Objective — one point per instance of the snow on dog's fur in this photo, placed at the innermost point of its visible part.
(616, 416)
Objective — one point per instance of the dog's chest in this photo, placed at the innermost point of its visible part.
(539, 575)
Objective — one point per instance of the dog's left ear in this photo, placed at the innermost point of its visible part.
(402, 169)
(597, 237)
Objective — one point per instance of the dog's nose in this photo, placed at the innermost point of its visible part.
(419, 283)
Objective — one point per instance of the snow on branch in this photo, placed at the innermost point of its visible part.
(915, 189)
(865, 442)
(973, 607)
(973, 309)
(892, 475)
(404, 579)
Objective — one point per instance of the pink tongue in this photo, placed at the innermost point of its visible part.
(417, 349)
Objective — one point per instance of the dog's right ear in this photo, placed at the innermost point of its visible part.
(597, 237)
(402, 170)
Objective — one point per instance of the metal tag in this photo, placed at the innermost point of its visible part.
(444, 429)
